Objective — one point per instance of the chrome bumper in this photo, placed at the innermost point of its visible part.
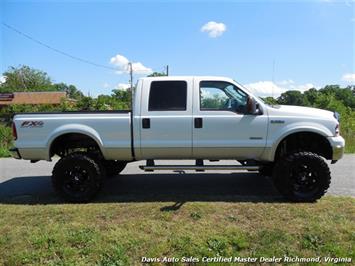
(338, 145)
(15, 153)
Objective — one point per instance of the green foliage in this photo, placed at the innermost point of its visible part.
(291, 98)
(214, 102)
(157, 74)
(25, 78)
(71, 90)
(5, 140)
(270, 100)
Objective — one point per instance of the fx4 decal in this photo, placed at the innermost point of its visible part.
(32, 124)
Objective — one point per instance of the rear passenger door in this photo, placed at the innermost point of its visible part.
(166, 119)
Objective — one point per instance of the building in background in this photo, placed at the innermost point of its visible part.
(32, 98)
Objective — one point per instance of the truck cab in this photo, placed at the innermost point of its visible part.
(188, 117)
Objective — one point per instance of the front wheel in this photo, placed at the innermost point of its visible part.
(302, 176)
(77, 177)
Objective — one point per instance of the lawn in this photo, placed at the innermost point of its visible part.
(123, 233)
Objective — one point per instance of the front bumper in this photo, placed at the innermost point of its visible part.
(338, 145)
(15, 153)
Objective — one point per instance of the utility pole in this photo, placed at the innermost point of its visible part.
(167, 70)
(131, 75)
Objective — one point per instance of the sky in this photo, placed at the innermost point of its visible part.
(269, 46)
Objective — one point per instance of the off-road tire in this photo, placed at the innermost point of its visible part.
(113, 168)
(77, 177)
(301, 176)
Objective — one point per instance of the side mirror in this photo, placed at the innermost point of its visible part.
(251, 106)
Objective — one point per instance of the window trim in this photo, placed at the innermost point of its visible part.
(168, 110)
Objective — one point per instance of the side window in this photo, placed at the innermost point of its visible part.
(167, 96)
(220, 95)
(213, 98)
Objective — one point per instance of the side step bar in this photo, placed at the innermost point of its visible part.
(198, 167)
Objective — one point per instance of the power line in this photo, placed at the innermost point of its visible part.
(55, 49)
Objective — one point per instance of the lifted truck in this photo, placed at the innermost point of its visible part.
(200, 118)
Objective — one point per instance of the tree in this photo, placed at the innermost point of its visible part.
(86, 104)
(291, 98)
(157, 74)
(270, 100)
(25, 78)
(71, 90)
(122, 99)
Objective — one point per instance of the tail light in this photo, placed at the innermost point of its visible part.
(14, 131)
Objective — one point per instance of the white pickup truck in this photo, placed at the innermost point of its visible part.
(199, 118)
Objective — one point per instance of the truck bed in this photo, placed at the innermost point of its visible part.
(110, 129)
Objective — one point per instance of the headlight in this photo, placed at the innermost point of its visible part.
(337, 116)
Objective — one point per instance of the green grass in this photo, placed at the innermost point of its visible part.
(121, 233)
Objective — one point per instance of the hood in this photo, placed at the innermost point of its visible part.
(304, 111)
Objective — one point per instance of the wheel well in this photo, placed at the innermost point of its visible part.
(72, 142)
(305, 141)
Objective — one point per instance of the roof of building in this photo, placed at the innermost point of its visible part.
(47, 97)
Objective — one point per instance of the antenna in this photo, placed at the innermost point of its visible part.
(273, 77)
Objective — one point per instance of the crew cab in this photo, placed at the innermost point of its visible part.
(193, 117)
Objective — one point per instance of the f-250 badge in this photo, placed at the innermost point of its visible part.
(32, 124)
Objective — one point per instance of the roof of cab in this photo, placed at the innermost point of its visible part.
(188, 77)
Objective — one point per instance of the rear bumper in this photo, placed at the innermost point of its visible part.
(15, 153)
(338, 145)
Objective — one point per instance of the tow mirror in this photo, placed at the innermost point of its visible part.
(251, 106)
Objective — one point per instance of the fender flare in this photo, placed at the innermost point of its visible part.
(73, 129)
(294, 130)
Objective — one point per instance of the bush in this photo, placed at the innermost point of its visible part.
(5, 140)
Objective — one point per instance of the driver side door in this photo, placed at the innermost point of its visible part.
(222, 129)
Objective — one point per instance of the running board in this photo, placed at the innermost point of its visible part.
(198, 167)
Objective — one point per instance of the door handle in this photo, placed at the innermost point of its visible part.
(198, 122)
(146, 122)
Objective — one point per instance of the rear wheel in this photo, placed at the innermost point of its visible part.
(77, 177)
(266, 169)
(113, 168)
(302, 176)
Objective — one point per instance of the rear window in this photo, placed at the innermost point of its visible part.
(167, 96)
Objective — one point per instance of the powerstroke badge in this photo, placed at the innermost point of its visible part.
(32, 124)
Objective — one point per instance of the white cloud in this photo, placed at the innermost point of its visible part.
(2, 79)
(139, 68)
(285, 82)
(123, 86)
(349, 77)
(302, 87)
(119, 60)
(214, 29)
(123, 65)
(106, 85)
(265, 88)
(269, 88)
